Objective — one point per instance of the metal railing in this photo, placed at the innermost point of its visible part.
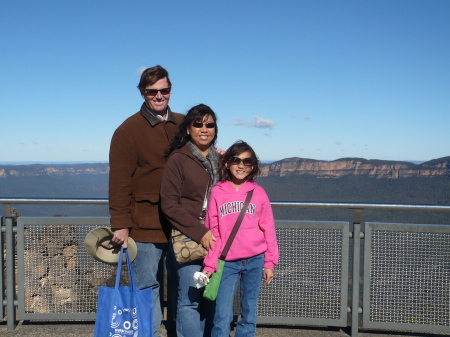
(331, 273)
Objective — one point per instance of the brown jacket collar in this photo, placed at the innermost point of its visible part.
(149, 115)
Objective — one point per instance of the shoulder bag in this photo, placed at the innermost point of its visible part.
(184, 248)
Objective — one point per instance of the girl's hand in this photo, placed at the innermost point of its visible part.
(208, 240)
(207, 273)
(268, 276)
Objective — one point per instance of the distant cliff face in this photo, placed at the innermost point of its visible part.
(52, 170)
(290, 166)
(356, 166)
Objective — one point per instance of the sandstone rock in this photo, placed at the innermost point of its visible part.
(356, 166)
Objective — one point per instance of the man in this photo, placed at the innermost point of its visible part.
(137, 159)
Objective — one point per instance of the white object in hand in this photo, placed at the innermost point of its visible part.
(200, 279)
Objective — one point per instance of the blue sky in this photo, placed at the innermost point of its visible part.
(312, 79)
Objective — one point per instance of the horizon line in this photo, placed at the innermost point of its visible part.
(58, 162)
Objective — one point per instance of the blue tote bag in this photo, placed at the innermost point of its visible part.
(124, 311)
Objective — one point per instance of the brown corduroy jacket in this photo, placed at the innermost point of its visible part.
(183, 189)
(137, 160)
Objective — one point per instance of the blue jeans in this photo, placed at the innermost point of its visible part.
(250, 272)
(145, 270)
(172, 288)
(194, 313)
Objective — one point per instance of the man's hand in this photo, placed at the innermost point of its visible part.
(220, 151)
(268, 276)
(121, 237)
(208, 240)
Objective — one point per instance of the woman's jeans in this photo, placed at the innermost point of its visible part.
(250, 272)
(194, 313)
(145, 269)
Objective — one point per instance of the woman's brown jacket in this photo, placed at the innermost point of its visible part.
(183, 189)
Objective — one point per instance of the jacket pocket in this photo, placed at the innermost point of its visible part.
(146, 213)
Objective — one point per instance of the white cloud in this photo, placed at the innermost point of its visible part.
(257, 122)
(35, 142)
(307, 117)
(140, 70)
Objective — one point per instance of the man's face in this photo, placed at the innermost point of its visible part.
(157, 101)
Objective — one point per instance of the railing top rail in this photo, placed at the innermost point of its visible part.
(372, 206)
(340, 205)
(50, 201)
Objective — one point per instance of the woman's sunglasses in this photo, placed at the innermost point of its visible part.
(154, 92)
(198, 125)
(237, 161)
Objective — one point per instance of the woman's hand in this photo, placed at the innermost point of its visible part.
(207, 273)
(208, 240)
(121, 237)
(268, 276)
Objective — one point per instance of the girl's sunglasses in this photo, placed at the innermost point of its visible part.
(237, 161)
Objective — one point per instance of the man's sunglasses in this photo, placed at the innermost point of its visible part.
(237, 161)
(198, 125)
(154, 92)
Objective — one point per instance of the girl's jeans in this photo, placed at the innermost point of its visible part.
(250, 272)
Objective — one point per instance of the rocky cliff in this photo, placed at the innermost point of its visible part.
(290, 166)
(52, 170)
(356, 166)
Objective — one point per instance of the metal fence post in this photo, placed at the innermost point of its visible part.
(10, 272)
(2, 270)
(356, 271)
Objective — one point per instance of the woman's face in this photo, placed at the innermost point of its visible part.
(203, 133)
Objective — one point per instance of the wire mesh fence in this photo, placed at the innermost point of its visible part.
(409, 276)
(405, 273)
(308, 279)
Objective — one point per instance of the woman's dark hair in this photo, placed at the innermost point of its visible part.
(235, 150)
(195, 114)
(152, 75)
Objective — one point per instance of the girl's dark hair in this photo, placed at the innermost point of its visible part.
(195, 114)
(235, 150)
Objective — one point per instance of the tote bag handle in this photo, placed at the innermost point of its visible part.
(119, 269)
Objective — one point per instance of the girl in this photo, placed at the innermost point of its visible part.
(254, 251)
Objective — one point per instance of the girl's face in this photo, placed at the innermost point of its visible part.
(240, 167)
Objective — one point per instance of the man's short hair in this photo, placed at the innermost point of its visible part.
(151, 75)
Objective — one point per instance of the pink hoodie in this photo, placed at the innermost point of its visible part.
(256, 234)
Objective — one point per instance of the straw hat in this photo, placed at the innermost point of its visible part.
(98, 244)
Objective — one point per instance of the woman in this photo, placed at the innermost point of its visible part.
(190, 172)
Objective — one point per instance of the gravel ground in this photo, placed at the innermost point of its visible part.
(82, 329)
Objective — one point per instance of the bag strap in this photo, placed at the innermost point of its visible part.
(236, 226)
(205, 199)
(119, 269)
